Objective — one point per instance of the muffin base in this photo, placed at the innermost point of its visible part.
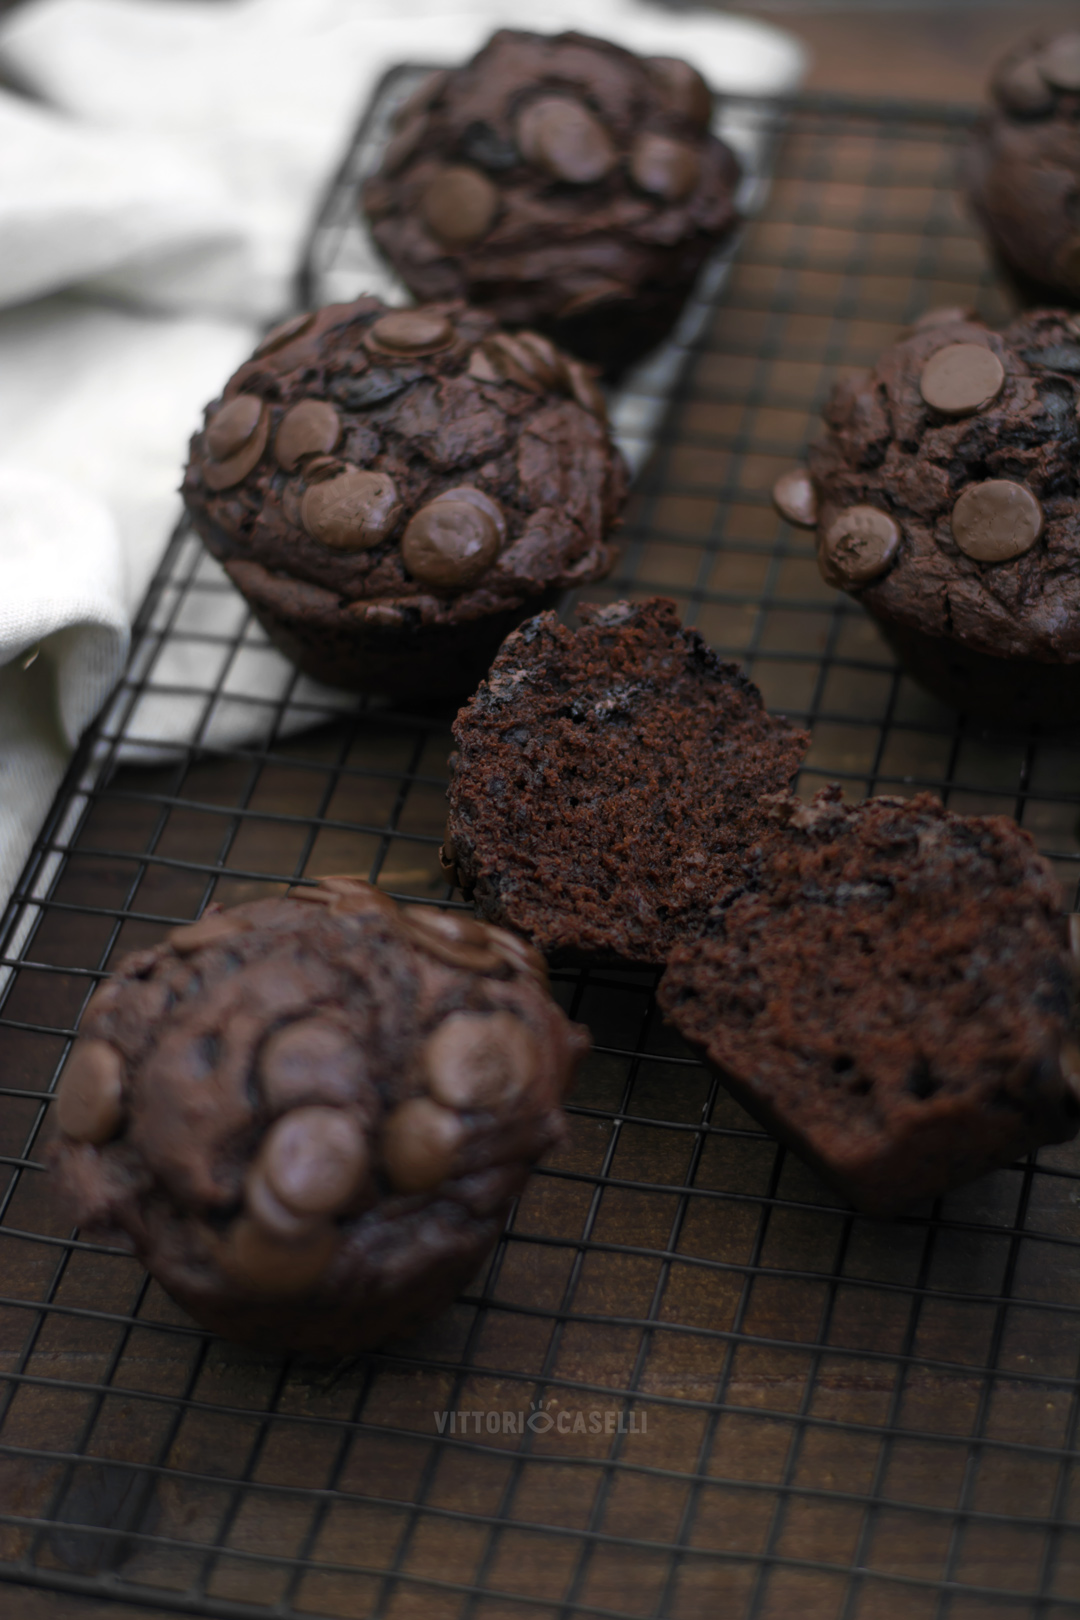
(430, 666)
(1007, 693)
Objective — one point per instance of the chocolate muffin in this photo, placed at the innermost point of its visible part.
(607, 783)
(562, 183)
(394, 490)
(308, 1115)
(947, 504)
(891, 994)
(1022, 169)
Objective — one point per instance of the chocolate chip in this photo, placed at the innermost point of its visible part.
(351, 512)
(456, 941)
(310, 1061)
(513, 361)
(400, 147)
(1059, 62)
(681, 88)
(313, 1159)
(278, 336)
(213, 929)
(1021, 88)
(585, 390)
(995, 521)
(943, 315)
(262, 1263)
(546, 361)
(89, 1102)
(795, 499)
(485, 146)
(1055, 357)
(410, 331)
(311, 428)
(232, 426)
(663, 167)
(458, 206)
(271, 1214)
(218, 475)
(961, 378)
(420, 1145)
(518, 952)
(357, 393)
(565, 140)
(476, 1060)
(860, 545)
(450, 542)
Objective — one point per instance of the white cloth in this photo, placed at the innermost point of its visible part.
(152, 209)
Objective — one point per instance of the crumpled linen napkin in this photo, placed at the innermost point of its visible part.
(152, 210)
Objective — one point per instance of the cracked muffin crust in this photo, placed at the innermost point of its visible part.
(607, 782)
(947, 503)
(308, 1115)
(891, 994)
(1022, 168)
(394, 490)
(560, 182)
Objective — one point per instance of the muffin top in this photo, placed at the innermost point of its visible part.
(947, 486)
(310, 1097)
(1040, 79)
(1022, 168)
(543, 177)
(419, 464)
(607, 782)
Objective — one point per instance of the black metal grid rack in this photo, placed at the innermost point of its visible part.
(799, 1411)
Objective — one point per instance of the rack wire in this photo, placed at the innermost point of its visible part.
(735, 1396)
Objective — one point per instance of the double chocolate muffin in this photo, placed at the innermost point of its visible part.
(308, 1116)
(394, 490)
(562, 183)
(948, 504)
(891, 994)
(1022, 169)
(607, 783)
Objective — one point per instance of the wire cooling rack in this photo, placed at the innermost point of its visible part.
(690, 1382)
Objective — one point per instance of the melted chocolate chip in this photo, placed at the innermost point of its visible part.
(479, 1061)
(310, 1061)
(664, 168)
(794, 498)
(860, 546)
(410, 331)
(565, 140)
(314, 1159)
(682, 88)
(312, 427)
(997, 520)
(89, 1103)
(420, 1145)
(352, 511)
(459, 205)
(231, 427)
(450, 542)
